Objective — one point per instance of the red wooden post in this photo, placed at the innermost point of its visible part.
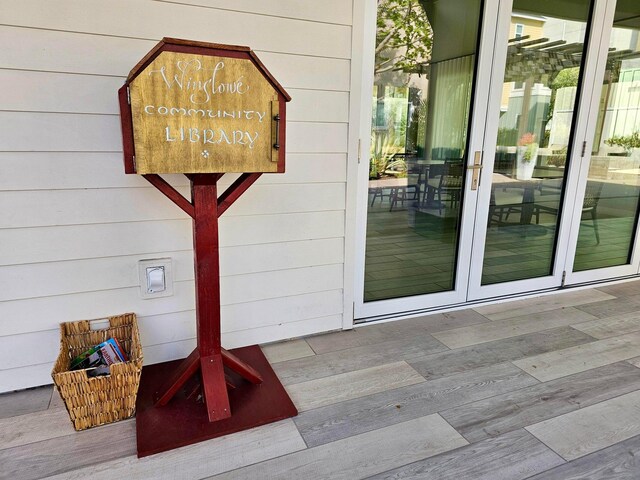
(207, 265)
(207, 274)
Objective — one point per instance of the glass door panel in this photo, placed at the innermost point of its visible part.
(425, 68)
(609, 211)
(543, 72)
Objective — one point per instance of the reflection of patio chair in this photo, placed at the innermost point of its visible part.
(449, 183)
(410, 192)
(504, 202)
(589, 205)
(379, 192)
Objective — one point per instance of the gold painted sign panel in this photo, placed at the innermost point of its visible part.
(203, 114)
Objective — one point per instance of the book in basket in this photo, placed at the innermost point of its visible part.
(99, 357)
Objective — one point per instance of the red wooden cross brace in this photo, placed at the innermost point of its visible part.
(209, 358)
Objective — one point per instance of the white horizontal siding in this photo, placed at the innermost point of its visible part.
(35, 279)
(329, 11)
(167, 328)
(73, 226)
(31, 49)
(72, 207)
(104, 170)
(145, 19)
(45, 313)
(40, 374)
(58, 243)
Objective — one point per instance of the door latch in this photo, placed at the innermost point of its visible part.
(477, 168)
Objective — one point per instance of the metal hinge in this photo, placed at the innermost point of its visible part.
(128, 96)
(133, 157)
(564, 277)
(584, 149)
(359, 149)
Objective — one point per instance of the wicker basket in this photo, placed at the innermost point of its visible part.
(93, 401)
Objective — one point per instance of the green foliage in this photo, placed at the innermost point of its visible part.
(627, 142)
(384, 146)
(507, 136)
(566, 78)
(530, 152)
(403, 37)
(559, 157)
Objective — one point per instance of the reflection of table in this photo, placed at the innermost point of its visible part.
(528, 186)
(626, 176)
(395, 187)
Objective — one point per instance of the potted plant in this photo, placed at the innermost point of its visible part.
(628, 142)
(527, 155)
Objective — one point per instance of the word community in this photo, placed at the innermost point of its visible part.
(199, 112)
(212, 136)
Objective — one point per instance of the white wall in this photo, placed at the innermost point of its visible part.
(73, 226)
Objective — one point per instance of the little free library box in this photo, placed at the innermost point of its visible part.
(204, 110)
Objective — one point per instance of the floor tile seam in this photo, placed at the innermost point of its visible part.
(293, 340)
(582, 407)
(435, 412)
(31, 412)
(315, 352)
(23, 391)
(364, 397)
(593, 340)
(510, 392)
(62, 471)
(53, 393)
(628, 360)
(402, 360)
(424, 358)
(564, 460)
(419, 382)
(546, 330)
(62, 438)
(581, 371)
(532, 304)
(316, 446)
(404, 337)
(575, 327)
(514, 336)
(446, 452)
(207, 477)
(57, 437)
(399, 339)
(575, 307)
(579, 458)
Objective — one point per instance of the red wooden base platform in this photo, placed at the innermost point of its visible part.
(184, 420)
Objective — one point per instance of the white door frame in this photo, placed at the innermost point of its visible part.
(475, 143)
(491, 62)
(632, 268)
(476, 290)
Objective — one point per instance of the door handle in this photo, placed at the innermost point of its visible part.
(477, 168)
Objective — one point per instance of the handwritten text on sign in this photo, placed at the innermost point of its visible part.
(203, 114)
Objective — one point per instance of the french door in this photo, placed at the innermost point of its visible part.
(489, 193)
(604, 227)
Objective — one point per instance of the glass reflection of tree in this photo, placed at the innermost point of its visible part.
(403, 46)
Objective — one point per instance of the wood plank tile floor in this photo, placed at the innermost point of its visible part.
(542, 388)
